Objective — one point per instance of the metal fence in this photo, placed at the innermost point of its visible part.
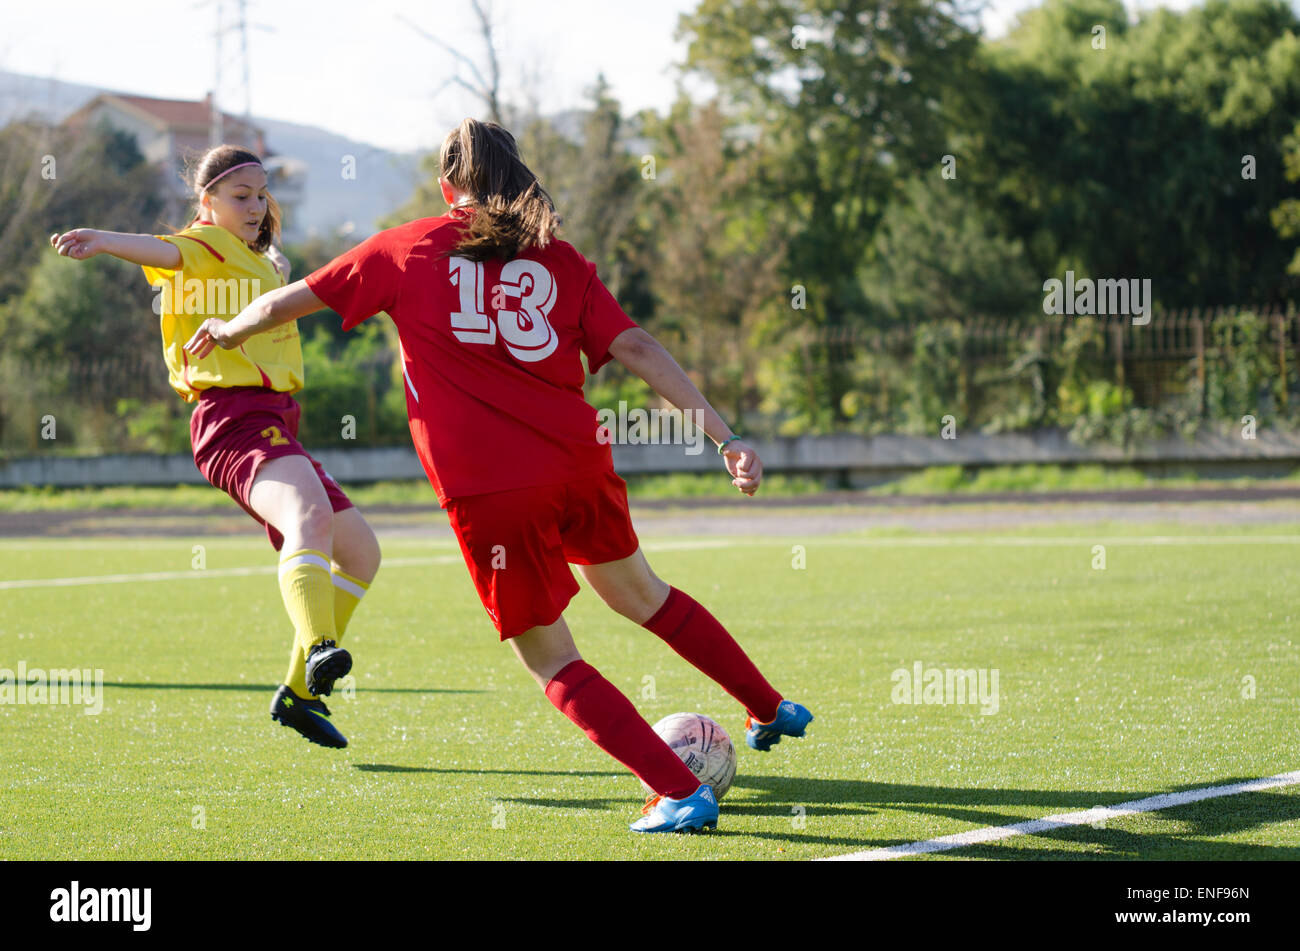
(122, 402)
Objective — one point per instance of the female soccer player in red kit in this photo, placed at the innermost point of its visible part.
(493, 313)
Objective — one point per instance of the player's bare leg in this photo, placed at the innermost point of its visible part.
(354, 566)
(628, 586)
(545, 651)
(602, 712)
(632, 589)
(288, 494)
(355, 548)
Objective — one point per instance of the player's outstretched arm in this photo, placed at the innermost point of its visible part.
(270, 310)
(143, 249)
(645, 356)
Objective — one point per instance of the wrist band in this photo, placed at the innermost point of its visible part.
(724, 443)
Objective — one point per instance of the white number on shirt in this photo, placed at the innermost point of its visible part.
(526, 332)
(470, 324)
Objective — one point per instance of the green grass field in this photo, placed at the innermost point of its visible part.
(1114, 684)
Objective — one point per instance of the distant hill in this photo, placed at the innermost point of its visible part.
(384, 180)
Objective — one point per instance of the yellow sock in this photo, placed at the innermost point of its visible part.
(296, 678)
(348, 592)
(308, 597)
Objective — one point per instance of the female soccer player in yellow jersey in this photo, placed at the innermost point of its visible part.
(245, 421)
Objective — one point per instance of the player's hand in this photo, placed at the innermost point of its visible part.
(212, 333)
(744, 465)
(79, 244)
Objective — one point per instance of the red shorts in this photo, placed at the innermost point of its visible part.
(234, 429)
(519, 544)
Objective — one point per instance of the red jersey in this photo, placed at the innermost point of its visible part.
(490, 351)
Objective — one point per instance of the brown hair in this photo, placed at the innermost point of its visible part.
(221, 159)
(512, 211)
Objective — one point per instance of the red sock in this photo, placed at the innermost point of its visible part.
(688, 628)
(612, 723)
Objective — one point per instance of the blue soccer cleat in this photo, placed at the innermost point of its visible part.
(696, 813)
(791, 720)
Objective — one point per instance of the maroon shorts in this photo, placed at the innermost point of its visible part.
(518, 544)
(234, 429)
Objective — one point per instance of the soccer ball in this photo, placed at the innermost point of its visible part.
(703, 746)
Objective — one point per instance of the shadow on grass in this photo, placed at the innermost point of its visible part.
(1189, 825)
(387, 768)
(271, 688)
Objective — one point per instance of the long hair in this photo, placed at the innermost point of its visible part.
(512, 211)
(220, 159)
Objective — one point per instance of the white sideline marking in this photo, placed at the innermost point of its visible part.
(1087, 817)
(1031, 541)
(706, 543)
(692, 544)
(194, 573)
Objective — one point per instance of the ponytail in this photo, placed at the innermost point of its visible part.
(512, 211)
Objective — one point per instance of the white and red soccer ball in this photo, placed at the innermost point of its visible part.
(703, 746)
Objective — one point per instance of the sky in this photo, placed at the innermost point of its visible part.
(356, 68)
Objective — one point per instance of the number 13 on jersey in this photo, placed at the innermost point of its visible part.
(526, 332)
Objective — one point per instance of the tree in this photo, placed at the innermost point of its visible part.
(1156, 156)
(54, 179)
(1286, 216)
(484, 84)
(940, 255)
(53, 309)
(849, 97)
(602, 198)
(717, 270)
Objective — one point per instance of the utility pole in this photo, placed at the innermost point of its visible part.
(216, 119)
(215, 131)
(243, 56)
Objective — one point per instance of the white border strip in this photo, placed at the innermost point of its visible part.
(1087, 817)
(198, 573)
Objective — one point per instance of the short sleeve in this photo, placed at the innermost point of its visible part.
(602, 320)
(201, 255)
(362, 282)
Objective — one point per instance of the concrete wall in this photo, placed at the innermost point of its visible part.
(846, 459)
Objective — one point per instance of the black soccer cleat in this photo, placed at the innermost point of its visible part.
(308, 717)
(326, 663)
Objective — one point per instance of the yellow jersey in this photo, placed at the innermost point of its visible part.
(219, 276)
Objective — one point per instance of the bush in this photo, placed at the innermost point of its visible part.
(353, 393)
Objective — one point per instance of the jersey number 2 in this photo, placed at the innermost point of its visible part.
(526, 332)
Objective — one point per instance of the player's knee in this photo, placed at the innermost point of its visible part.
(624, 604)
(370, 555)
(316, 525)
(638, 603)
